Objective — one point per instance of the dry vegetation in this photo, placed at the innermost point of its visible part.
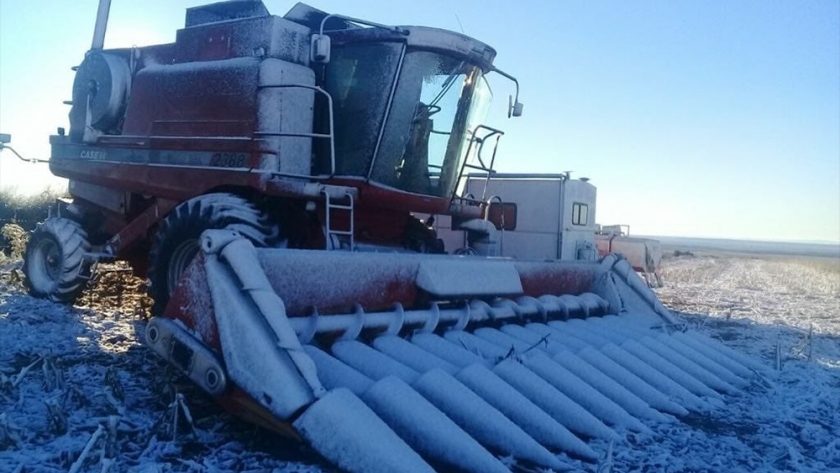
(15, 238)
(797, 292)
(19, 214)
(796, 298)
(113, 289)
(26, 210)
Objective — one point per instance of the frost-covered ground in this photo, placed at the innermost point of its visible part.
(790, 421)
(87, 366)
(90, 365)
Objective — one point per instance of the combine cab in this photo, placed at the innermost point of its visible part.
(266, 173)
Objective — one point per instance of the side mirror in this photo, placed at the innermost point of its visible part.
(319, 51)
(514, 107)
(517, 109)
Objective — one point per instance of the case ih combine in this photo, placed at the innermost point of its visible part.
(277, 179)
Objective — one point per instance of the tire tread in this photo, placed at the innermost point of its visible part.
(72, 241)
(189, 219)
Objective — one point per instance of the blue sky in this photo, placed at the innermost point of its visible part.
(693, 118)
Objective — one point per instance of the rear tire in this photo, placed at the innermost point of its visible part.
(176, 242)
(54, 264)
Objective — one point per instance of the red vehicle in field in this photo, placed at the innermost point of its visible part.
(277, 179)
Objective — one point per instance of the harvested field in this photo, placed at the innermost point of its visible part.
(788, 296)
(68, 375)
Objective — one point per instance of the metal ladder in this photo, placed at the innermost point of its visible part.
(332, 233)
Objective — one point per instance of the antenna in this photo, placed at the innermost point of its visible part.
(459, 24)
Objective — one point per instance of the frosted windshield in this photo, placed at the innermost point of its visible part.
(438, 102)
(359, 78)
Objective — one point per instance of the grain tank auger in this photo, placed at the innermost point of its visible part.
(267, 174)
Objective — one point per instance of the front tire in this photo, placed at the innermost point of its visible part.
(176, 243)
(54, 265)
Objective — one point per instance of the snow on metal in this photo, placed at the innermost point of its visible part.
(459, 381)
(629, 380)
(411, 355)
(585, 395)
(456, 278)
(340, 426)
(476, 416)
(249, 347)
(522, 411)
(554, 402)
(428, 430)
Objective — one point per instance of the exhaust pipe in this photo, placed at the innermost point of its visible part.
(101, 25)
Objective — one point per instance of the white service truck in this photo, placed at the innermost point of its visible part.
(544, 217)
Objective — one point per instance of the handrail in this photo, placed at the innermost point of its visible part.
(330, 135)
(491, 132)
(395, 29)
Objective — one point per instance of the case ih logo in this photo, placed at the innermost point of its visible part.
(93, 154)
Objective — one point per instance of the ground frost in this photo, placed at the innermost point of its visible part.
(68, 373)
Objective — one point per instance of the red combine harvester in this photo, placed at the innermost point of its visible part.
(277, 178)
(245, 122)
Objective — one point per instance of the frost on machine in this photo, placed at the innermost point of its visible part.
(278, 179)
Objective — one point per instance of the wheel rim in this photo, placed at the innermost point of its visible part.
(181, 258)
(47, 261)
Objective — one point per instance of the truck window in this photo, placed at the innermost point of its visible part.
(503, 215)
(580, 214)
